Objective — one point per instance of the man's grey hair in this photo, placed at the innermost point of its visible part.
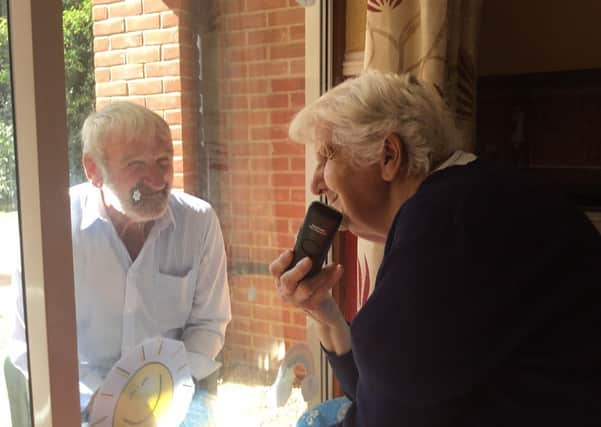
(354, 118)
(123, 120)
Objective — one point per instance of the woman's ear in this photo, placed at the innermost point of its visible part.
(392, 157)
(92, 170)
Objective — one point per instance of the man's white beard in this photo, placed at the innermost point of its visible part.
(149, 206)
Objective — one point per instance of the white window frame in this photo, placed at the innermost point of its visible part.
(38, 84)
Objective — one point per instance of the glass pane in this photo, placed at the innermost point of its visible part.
(14, 387)
(226, 76)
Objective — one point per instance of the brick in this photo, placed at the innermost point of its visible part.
(248, 86)
(100, 13)
(269, 133)
(127, 72)
(269, 101)
(163, 102)
(254, 5)
(232, 39)
(271, 35)
(234, 102)
(271, 68)
(255, 53)
(172, 84)
(110, 26)
(280, 164)
(298, 165)
(232, 6)
(234, 338)
(170, 35)
(287, 149)
(127, 8)
(101, 44)
(295, 333)
(102, 102)
(287, 17)
(297, 32)
(125, 41)
(163, 69)
(281, 117)
(143, 55)
(145, 86)
(246, 21)
(104, 2)
(299, 319)
(297, 67)
(269, 314)
(111, 89)
(102, 75)
(291, 211)
(176, 51)
(234, 71)
(172, 19)
(292, 50)
(144, 22)
(155, 5)
(297, 100)
(106, 59)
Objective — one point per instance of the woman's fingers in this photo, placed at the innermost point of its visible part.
(289, 281)
(316, 286)
(279, 265)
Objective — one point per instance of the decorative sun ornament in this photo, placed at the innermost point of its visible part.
(150, 386)
(379, 5)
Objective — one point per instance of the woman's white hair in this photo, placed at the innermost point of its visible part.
(355, 118)
(123, 120)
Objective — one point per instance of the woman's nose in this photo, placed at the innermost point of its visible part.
(318, 185)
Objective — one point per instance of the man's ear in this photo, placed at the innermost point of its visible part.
(93, 170)
(392, 157)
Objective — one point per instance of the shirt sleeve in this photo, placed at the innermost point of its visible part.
(204, 333)
(345, 371)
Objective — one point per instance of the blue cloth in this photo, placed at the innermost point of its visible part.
(325, 414)
(201, 412)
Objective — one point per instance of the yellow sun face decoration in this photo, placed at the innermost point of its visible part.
(146, 398)
(149, 387)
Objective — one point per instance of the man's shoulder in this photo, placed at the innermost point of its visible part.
(188, 205)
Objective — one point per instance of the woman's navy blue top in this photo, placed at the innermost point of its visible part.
(486, 310)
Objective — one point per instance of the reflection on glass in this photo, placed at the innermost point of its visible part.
(226, 77)
(14, 388)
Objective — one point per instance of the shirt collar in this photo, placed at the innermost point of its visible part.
(93, 210)
(458, 158)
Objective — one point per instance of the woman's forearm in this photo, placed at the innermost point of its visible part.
(335, 337)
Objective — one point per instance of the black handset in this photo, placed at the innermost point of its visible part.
(316, 235)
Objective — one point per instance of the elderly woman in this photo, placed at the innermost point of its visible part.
(486, 308)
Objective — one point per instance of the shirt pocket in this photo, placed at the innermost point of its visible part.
(174, 300)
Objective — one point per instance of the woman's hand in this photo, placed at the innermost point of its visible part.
(312, 295)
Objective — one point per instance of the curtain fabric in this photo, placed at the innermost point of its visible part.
(436, 40)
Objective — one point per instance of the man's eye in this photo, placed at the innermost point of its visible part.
(135, 164)
(164, 162)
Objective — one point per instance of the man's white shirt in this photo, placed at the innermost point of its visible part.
(176, 287)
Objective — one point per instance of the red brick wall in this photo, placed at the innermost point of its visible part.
(144, 52)
(261, 80)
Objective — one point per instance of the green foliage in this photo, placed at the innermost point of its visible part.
(79, 87)
(79, 76)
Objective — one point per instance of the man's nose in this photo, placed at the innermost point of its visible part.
(155, 178)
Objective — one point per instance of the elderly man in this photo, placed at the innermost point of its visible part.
(147, 261)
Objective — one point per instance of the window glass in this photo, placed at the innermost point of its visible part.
(227, 77)
(14, 386)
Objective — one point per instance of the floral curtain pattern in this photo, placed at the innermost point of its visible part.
(436, 40)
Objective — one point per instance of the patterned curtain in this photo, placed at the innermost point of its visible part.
(436, 40)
